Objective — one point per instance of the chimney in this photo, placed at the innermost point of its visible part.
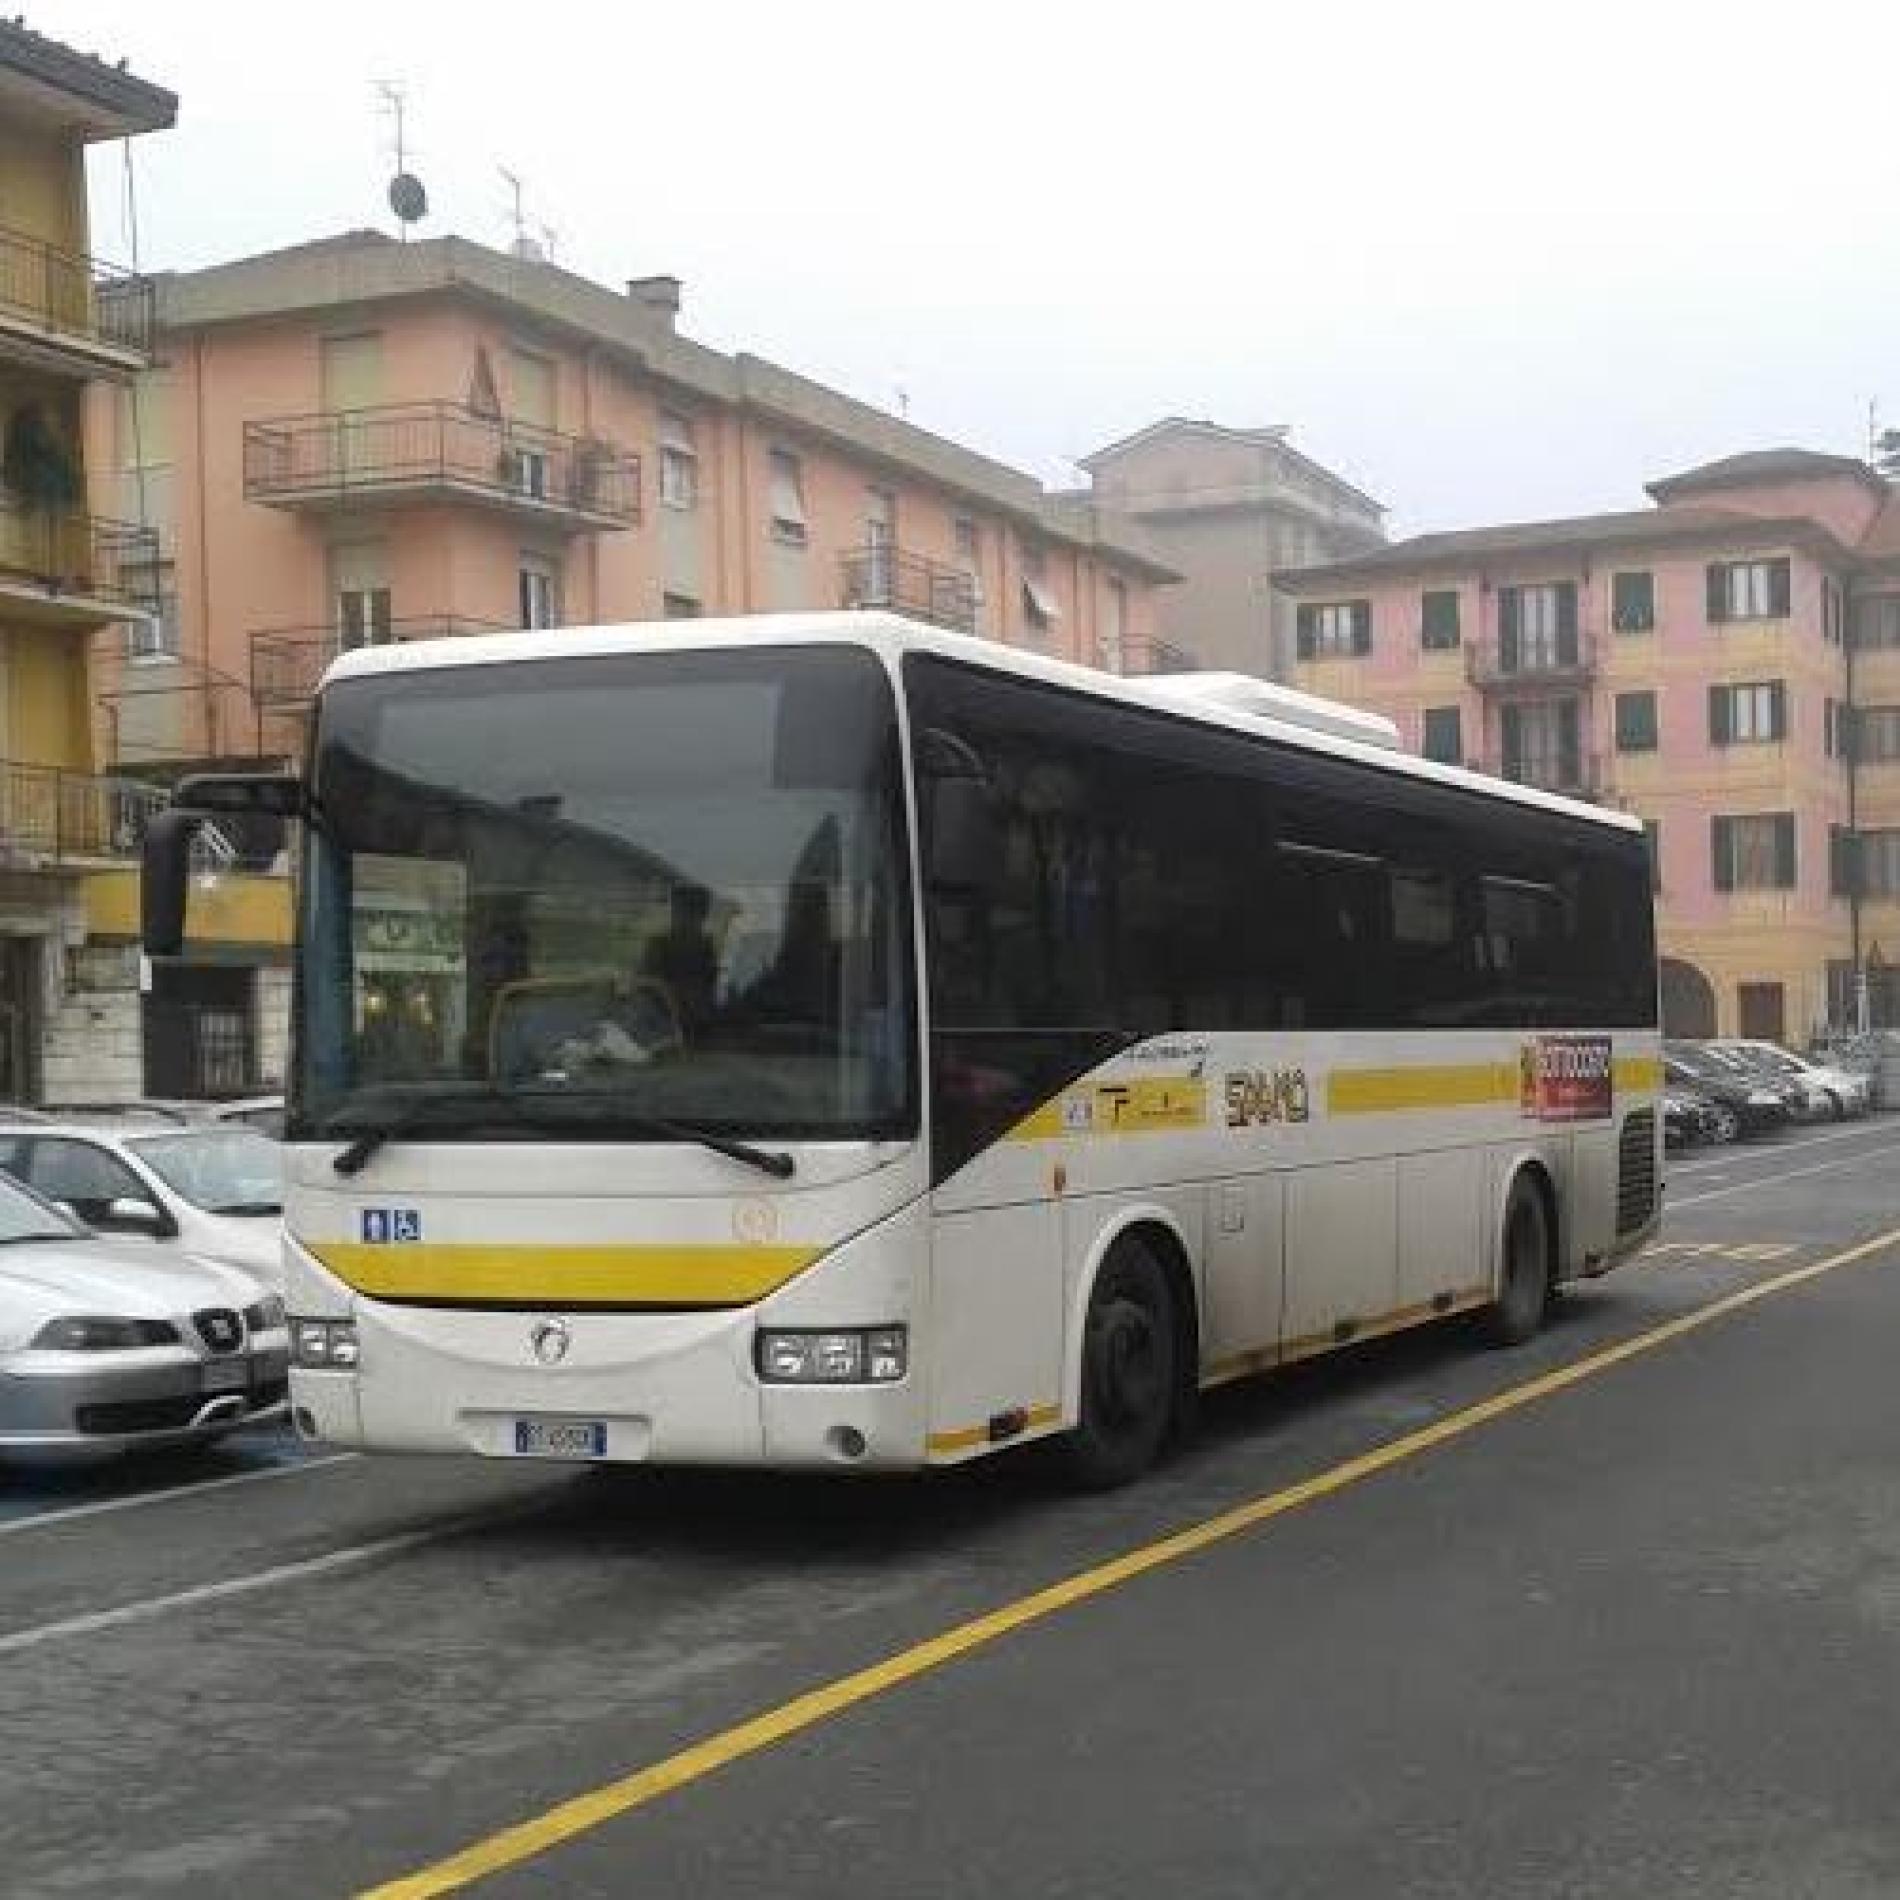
(661, 295)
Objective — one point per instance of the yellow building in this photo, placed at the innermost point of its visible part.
(72, 1024)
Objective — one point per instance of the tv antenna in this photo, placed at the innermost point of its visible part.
(407, 198)
(526, 244)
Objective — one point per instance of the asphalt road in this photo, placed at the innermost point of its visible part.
(1630, 1627)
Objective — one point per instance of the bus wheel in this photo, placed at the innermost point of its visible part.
(1525, 1287)
(1129, 1371)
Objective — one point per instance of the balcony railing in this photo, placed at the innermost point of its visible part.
(1157, 656)
(900, 583)
(47, 813)
(1531, 663)
(287, 662)
(430, 451)
(1575, 774)
(65, 298)
(63, 553)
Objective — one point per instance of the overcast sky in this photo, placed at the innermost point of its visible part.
(1489, 261)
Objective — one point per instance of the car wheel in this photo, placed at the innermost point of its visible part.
(1727, 1124)
(1130, 1370)
(1836, 1106)
(1525, 1278)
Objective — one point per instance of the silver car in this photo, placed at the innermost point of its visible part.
(106, 1346)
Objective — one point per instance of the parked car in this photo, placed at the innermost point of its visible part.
(1741, 1106)
(265, 1113)
(1689, 1116)
(188, 1188)
(1838, 1091)
(105, 1346)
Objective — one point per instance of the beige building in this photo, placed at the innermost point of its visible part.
(1229, 509)
(358, 440)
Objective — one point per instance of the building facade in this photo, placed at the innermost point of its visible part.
(1725, 663)
(359, 440)
(1229, 509)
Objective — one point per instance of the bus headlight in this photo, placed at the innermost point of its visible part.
(865, 1355)
(323, 1344)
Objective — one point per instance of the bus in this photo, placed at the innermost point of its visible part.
(828, 1041)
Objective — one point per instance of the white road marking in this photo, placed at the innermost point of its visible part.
(44, 1520)
(1671, 1204)
(1733, 1152)
(148, 1609)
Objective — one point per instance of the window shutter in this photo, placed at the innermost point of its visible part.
(1778, 710)
(1784, 851)
(1843, 866)
(1717, 593)
(1780, 589)
(1721, 857)
(1719, 715)
(1511, 723)
(1362, 626)
(1507, 629)
(1305, 621)
(1567, 623)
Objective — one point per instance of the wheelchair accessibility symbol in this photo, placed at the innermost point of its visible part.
(391, 1226)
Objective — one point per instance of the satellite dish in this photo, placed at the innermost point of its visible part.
(407, 199)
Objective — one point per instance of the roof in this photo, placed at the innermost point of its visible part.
(1633, 529)
(892, 637)
(357, 268)
(100, 100)
(1881, 542)
(1270, 436)
(1757, 466)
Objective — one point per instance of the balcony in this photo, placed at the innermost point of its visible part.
(1157, 656)
(892, 581)
(1574, 774)
(1527, 665)
(435, 452)
(288, 662)
(51, 817)
(62, 568)
(72, 315)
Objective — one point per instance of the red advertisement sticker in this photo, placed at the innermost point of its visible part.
(1568, 1078)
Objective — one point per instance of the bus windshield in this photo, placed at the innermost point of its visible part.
(672, 882)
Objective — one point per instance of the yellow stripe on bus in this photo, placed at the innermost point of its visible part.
(559, 1275)
(1423, 1085)
(1638, 1075)
(968, 1437)
(1132, 1105)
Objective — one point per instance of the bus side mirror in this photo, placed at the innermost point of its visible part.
(165, 880)
(965, 835)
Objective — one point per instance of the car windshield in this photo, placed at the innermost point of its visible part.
(671, 881)
(221, 1170)
(25, 1216)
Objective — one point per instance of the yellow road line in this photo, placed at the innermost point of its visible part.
(527, 1839)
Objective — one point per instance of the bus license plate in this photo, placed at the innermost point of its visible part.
(227, 1375)
(560, 1438)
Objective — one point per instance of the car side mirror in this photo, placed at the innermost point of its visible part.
(127, 1215)
(964, 835)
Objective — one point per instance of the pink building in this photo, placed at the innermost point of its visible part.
(1689, 662)
(359, 440)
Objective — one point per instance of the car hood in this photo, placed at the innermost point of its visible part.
(254, 1242)
(41, 1280)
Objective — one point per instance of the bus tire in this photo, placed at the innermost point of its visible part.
(1525, 1278)
(1130, 1371)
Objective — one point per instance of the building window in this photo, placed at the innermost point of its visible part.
(966, 538)
(1636, 722)
(1115, 625)
(1438, 620)
(362, 616)
(1537, 627)
(1748, 715)
(1833, 611)
(528, 471)
(679, 607)
(1872, 733)
(1879, 863)
(1333, 627)
(1444, 735)
(1844, 859)
(1652, 837)
(789, 524)
(1877, 622)
(679, 462)
(1633, 603)
(1748, 590)
(1754, 853)
(540, 593)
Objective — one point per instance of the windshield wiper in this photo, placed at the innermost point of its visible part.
(544, 1108)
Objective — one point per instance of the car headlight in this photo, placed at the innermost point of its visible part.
(324, 1344)
(99, 1333)
(1761, 1098)
(863, 1355)
(266, 1316)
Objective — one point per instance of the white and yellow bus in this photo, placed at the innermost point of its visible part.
(824, 1041)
